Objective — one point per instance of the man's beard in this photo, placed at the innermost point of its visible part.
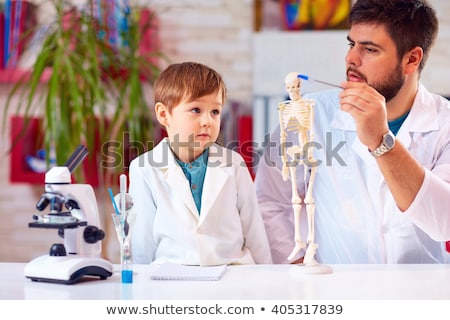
(389, 87)
(392, 85)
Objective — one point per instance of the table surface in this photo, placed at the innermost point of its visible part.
(259, 282)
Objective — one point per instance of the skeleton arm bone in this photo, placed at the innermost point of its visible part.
(283, 135)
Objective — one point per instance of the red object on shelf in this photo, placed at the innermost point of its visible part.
(28, 143)
(23, 145)
(447, 246)
(246, 147)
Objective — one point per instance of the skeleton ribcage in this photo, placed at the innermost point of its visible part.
(294, 119)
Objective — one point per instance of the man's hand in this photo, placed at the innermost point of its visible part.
(368, 108)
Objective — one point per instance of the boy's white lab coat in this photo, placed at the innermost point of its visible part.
(228, 230)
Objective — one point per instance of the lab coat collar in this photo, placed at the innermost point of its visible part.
(218, 159)
(423, 116)
(174, 176)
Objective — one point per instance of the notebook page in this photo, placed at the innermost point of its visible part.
(172, 271)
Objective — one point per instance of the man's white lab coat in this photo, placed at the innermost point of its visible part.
(228, 230)
(356, 219)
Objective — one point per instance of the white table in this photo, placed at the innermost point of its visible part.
(259, 282)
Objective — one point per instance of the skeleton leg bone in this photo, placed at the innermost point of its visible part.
(296, 205)
(310, 209)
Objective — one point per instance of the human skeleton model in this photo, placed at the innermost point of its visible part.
(297, 115)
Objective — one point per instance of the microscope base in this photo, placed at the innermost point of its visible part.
(67, 269)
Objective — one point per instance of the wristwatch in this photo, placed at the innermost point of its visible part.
(387, 144)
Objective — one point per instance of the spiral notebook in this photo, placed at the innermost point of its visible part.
(172, 271)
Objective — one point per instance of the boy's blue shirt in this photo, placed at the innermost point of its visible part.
(195, 173)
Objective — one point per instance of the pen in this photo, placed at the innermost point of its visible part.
(307, 78)
(116, 209)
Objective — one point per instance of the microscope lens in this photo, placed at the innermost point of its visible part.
(42, 203)
(55, 205)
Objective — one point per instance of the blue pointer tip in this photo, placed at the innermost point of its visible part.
(302, 76)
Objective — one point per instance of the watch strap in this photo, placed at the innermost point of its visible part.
(384, 146)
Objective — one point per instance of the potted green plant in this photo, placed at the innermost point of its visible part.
(94, 94)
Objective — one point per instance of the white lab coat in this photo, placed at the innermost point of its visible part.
(168, 226)
(356, 218)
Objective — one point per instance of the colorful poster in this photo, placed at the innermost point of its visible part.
(314, 14)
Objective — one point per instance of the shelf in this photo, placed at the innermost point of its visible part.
(16, 75)
(13, 76)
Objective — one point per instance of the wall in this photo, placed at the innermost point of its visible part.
(215, 32)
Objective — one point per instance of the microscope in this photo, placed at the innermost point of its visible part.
(73, 212)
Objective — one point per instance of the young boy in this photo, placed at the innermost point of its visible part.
(194, 200)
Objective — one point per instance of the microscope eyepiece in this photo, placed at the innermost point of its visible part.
(76, 158)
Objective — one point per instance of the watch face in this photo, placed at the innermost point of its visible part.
(388, 144)
(389, 140)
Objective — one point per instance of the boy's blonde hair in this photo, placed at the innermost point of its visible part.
(187, 81)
